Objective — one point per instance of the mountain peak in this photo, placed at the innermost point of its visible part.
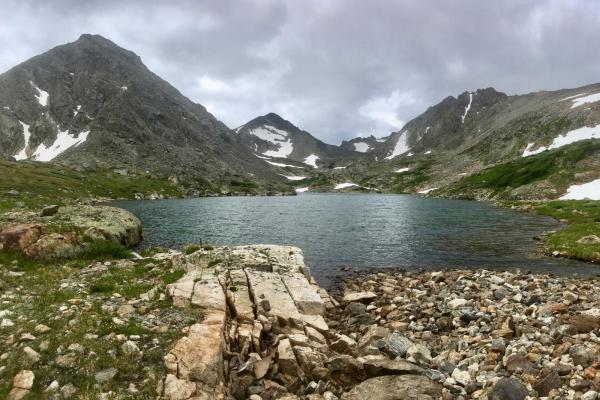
(98, 43)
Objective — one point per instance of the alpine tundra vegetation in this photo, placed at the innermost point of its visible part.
(132, 264)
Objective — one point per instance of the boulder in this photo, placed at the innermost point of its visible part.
(395, 387)
(22, 383)
(19, 237)
(361, 297)
(55, 246)
(345, 370)
(49, 211)
(590, 239)
(385, 366)
(508, 389)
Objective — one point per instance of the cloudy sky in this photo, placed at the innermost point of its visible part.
(337, 68)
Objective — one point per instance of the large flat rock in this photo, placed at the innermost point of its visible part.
(305, 297)
(269, 286)
(208, 294)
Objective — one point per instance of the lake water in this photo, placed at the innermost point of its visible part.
(360, 231)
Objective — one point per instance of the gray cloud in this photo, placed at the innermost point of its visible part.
(337, 68)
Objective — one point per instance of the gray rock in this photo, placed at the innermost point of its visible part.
(355, 308)
(398, 345)
(49, 211)
(508, 389)
(590, 239)
(580, 355)
(106, 375)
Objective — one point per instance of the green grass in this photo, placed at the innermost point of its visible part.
(101, 250)
(558, 166)
(39, 184)
(172, 277)
(214, 262)
(38, 300)
(583, 219)
(192, 248)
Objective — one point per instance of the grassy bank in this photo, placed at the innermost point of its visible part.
(542, 175)
(34, 185)
(582, 218)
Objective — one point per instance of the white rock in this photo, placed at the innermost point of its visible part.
(130, 348)
(462, 377)
(23, 379)
(589, 395)
(52, 387)
(6, 323)
(454, 304)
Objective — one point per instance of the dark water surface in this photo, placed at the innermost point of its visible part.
(360, 230)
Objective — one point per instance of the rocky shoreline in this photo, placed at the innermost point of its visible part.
(250, 322)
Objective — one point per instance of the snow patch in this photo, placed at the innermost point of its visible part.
(64, 141)
(42, 96)
(361, 147)
(467, 108)
(428, 152)
(75, 112)
(584, 133)
(293, 178)
(302, 190)
(340, 167)
(276, 136)
(402, 169)
(401, 146)
(345, 185)
(592, 98)
(574, 96)
(311, 160)
(281, 164)
(427, 190)
(589, 191)
(124, 88)
(22, 155)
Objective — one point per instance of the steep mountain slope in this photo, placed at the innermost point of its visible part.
(464, 135)
(273, 137)
(93, 104)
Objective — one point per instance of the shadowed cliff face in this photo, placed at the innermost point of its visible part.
(92, 103)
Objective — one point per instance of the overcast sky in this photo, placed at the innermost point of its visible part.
(336, 68)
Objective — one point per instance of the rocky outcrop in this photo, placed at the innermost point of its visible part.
(262, 331)
(66, 231)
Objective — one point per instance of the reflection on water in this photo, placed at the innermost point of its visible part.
(359, 230)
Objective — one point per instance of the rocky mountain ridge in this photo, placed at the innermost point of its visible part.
(93, 104)
(272, 137)
(452, 143)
